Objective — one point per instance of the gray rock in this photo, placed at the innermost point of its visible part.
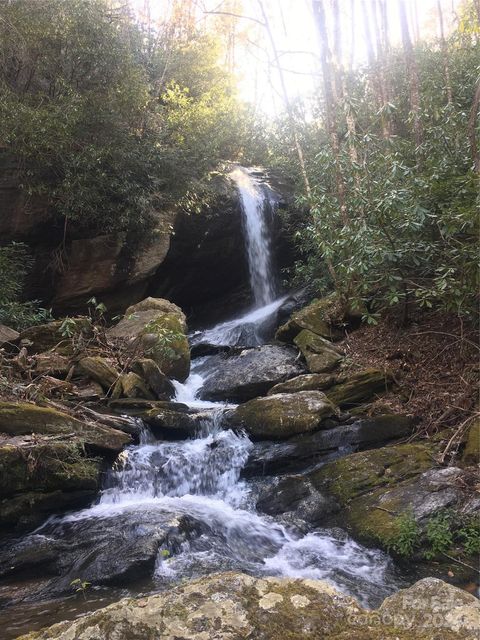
(7, 335)
(251, 373)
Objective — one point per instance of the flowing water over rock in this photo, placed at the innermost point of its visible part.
(175, 510)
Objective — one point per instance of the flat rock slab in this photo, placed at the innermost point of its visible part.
(251, 373)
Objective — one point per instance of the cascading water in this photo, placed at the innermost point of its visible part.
(254, 202)
(187, 500)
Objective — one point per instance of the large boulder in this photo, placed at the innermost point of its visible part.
(321, 355)
(283, 415)
(251, 373)
(235, 606)
(157, 328)
(17, 419)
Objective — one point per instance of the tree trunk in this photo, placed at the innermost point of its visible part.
(412, 70)
(472, 129)
(443, 45)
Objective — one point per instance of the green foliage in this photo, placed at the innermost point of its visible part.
(469, 534)
(80, 585)
(15, 264)
(166, 338)
(407, 537)
(68, 328)
(110, 121)
(439, 535)
(405, 227)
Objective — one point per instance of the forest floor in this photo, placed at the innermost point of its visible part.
(435, 363)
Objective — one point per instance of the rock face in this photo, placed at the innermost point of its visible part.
(283, 415)
(233, 606)
(251, 373)
(303, 451)
(158, 328)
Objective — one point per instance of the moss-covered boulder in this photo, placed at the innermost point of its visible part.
(130, 385)
(46, 466)
(155, 379)
(321, 355)
(471, 453)
(157, 328)
(283, 415)
(307, 382)
(234, 606)
(315, 317)
(45, 337)
(354, 389)
(21, 418)
(100, 370)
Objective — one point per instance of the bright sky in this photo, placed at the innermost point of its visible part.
(295, 37)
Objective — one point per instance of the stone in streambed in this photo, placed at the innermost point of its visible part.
(156, 380)
(283, 415)
(306, 450)
(23, 419)
(321, 355)
(235, 606)
(353, 389)
(159, 328)
(100, 370)
(251, 373)
(307, 382)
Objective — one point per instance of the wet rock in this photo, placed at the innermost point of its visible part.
(321, 355)
(310, 449)
(158, 328)
(295, 495)
(24, 419)
(283, 415)
(251, 373)
(359, 387)
(100, 370)
(307, 382)
(8, 335)
(234, 606)
(45, 337)
(471, 453)
(156, 380)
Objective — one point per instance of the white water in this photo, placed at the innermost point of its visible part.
(257, 239)
(158, 481)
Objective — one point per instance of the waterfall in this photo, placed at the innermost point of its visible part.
(255, 202)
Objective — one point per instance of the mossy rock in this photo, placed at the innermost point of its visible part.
(359, 387)
(130, 385)
(234, 606)
(21, 418)
(100, 370)
(155, 379)
(47, 466)
(359, 473)
(321, 355)
(45, 337)
(315, 317)
(307, 382)
(471, 453)
(283, 415)
(30, 509)
(158, 327)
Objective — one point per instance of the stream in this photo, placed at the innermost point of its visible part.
(175, 510)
